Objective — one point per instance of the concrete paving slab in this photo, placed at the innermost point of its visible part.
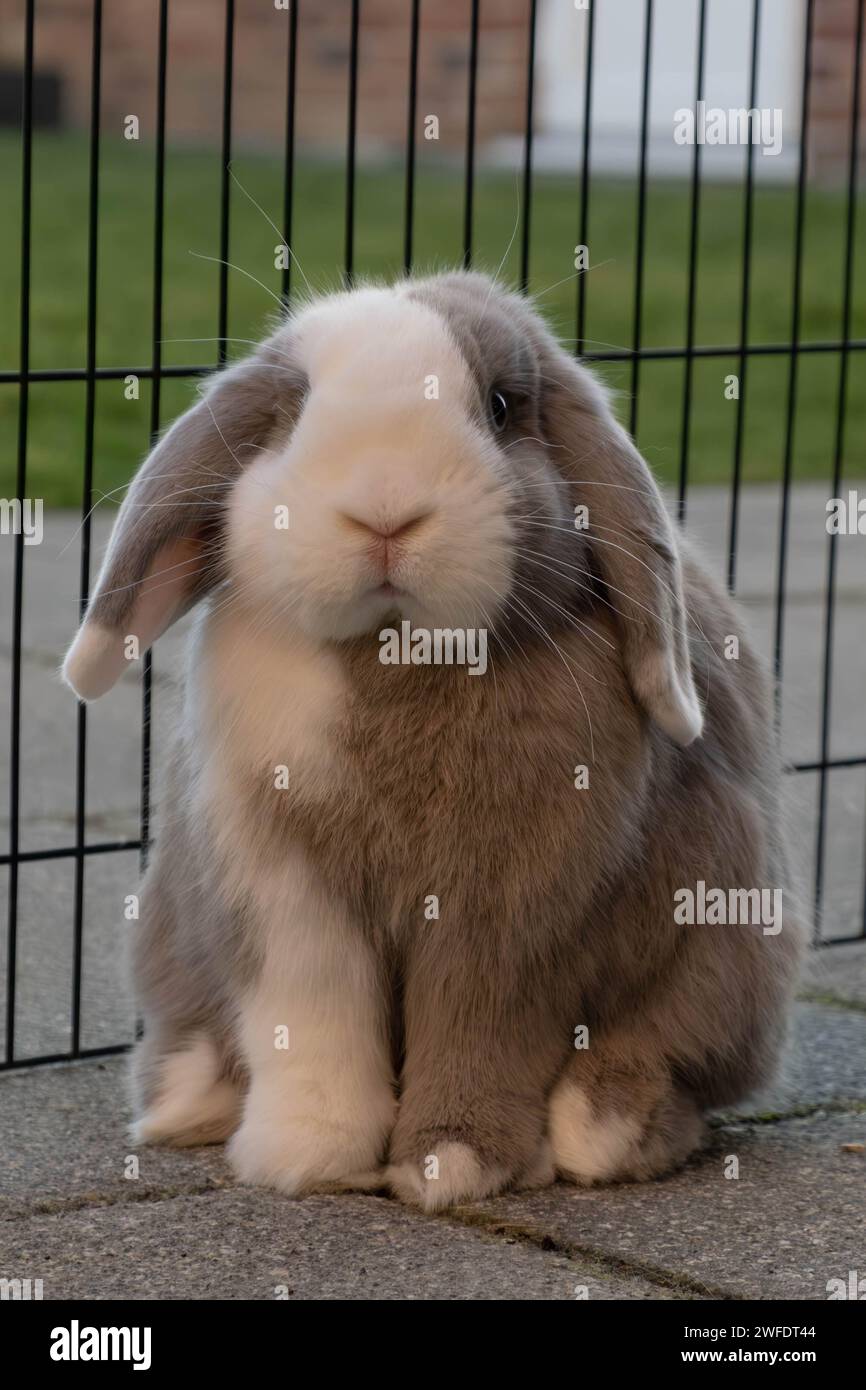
(248, 1244)
(838, 973)
(791, 1221)
(45, 954)
(64, 1142)
(825, 1061)
(48, 729)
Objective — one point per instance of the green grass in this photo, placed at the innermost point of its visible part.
(59, 288)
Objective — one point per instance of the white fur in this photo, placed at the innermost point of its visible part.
(193, 1103)
(98, 656)
(269, 698)
(321, 1109)
(586, 1147)
(460, 1178)
(370, 450)
(94, 662)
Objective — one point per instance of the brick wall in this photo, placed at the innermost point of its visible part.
(196, 41)
(832, 82)
(196, 46)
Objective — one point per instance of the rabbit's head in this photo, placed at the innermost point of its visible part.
(426, 452)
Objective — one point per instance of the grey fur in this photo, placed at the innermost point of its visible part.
(194, 465)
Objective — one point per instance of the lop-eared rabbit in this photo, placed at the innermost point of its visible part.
(416, 924)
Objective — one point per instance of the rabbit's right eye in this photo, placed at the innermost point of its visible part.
(497, 409)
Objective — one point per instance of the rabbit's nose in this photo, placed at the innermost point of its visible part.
(385, 529)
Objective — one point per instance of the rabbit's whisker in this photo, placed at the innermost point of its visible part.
(539, 294)
(217, 260)
(271, 224)
(582, 628)
(546, 635)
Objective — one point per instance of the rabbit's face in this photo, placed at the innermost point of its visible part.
(427, 452)
(402, 483)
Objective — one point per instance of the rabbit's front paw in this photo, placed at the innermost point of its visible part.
(450, 1173)
(300, 1151)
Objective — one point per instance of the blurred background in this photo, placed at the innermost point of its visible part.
(259, 79)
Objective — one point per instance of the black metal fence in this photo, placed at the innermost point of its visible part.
(81, 850)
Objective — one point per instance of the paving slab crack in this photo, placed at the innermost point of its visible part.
(603, 1260)
(838, 1106)
(832, 1001)
(87, 1201)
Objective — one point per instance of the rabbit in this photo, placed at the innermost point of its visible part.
(410, 926)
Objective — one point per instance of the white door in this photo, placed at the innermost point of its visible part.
(618, 75)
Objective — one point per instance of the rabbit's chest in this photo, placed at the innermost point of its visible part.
(401, 787)
(271, 711)
(450, 792)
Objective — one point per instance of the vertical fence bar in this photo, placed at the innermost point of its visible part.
(583, 233)
(745, 304)
(225, 188)
(411, 116)
(351, 144)
(691, 305)
(471, 102)
(86, 505)
(637, 330)
(793, 364)
(21, 487)
(289, 162)
(155, 388)
(838, 451)
(527, 149)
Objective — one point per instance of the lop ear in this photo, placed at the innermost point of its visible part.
(165, 550)
(634, 547)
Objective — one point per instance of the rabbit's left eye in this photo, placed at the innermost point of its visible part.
(498, 411)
